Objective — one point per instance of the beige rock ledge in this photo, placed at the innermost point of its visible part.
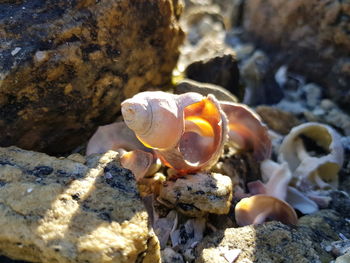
(58, 210)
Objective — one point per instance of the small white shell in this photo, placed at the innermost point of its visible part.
(157, 117)
(310, 171)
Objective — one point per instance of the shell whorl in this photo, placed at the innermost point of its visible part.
(155, 117)
(137, 115)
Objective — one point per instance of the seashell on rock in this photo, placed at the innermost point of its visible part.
(187, 131)
(314, 154)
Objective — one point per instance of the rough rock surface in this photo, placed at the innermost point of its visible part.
(198, 194)
(270, 242)
(326, 228)
(59, 210)
(313, 35)
(277, 120)
(65, 66)
(319, 237)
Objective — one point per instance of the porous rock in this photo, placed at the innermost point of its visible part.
(270, 242)
(65, 66)
(313, 36)
(326, 228)
(198, 194)
(59, 210)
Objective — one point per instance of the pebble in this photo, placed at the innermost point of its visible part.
(198, 194)
(313, 94)
(15, 51)
(170, 256)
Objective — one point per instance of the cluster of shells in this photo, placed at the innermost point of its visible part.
(172, 144)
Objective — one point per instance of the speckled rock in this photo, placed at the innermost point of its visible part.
(267, 243)
(326, 228)
(198, 194)
(276, 119)
(59, 210)
(313, 36)
(65, 66)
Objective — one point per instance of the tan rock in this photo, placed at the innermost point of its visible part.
(198, 194)
(59, 210)
(66, 66)
(276, 119)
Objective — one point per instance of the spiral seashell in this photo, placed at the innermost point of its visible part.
(186, 131)
(156, 117)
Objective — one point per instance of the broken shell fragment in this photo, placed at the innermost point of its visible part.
(261, 208)
(314, 154)
(187, 131)
(138, 162)
(300, 201)
(246, 131)
(198, 194)
(113, 137)
(277, 177)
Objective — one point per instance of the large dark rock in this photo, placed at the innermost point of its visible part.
(220, 70)
(313, 35)
(65, 66)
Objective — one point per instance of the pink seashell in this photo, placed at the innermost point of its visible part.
(187, 131)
